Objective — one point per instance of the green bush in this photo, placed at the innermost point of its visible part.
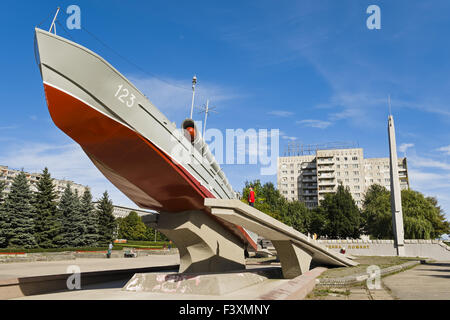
(145, 243)
(37, 250)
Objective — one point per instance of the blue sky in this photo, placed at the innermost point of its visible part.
(309, 68)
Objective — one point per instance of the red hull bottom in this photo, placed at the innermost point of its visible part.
(131, 162)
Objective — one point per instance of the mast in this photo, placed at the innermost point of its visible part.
(194, 82)
(53, 26)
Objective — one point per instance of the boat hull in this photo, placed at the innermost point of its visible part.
(130, 141)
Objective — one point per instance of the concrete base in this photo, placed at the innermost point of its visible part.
(204, 245)
(294, 260)
(194, 283)
(400, 250)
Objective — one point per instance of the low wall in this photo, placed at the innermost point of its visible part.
(433, 249)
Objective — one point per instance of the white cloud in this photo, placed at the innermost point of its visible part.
(8, 127)
(173, 96)
(445, 149)
(65, 161)
(281, 113)
(429, 163)
(405, 146)
(289, 138)
(315, 123)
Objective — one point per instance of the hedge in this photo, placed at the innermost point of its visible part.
(37, 250)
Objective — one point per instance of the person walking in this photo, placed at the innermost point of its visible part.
(251, 197)
(108, 255)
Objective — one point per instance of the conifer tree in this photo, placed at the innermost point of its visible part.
(3, 219)
(19, 214)
(47, 226)
(90, 219)
(67, 207)
(106, 221)
(78, 223)
(2, 187)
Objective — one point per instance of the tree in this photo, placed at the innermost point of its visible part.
(132, 228)
(47, 226)
(377, 212)
(70, 218)
(318, 222)
(423, 218)
(342, 213)
(90, 219)
(270, 201)
(106, 221)
(19, 231)
(2, 188)
(3, 219)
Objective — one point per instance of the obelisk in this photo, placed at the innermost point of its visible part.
(396, 199)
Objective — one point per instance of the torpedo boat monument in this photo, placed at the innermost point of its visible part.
(144, 154)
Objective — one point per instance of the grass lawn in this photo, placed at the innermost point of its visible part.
(364, 262)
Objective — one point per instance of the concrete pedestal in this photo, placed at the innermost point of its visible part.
(203, 244)
(294, 260)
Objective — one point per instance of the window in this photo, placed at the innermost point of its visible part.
(346, 173)
(356, 173)
(356, 187)
(345, 166)
(356, 180)
(354, 158)
(355, 165)
(338, 166)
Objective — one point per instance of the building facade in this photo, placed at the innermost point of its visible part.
(308, 178)
(7, 175)
(122, 212)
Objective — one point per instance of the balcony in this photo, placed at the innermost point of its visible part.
(314, 186)
(309, 173)
(327, 183)
(327, 190)
(326, 168)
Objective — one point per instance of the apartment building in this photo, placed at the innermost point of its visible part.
(309, 178)
(122, 212)
(7, 175)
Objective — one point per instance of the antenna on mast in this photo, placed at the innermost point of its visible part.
(389, 104)
(206, 109)
(53, 26)
(194, 82)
